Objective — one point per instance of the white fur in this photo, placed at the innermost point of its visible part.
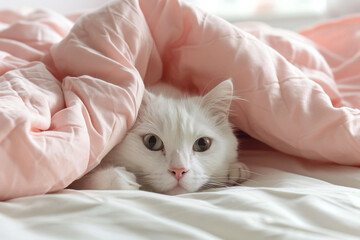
(179, 121)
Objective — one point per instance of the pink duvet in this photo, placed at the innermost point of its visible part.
(69, 93)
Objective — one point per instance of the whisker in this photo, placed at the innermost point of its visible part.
(235, 184)
(212, 184)
(225, 177)
(245, 170)
(232, 179)
(247, 179)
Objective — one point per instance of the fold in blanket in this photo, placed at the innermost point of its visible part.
(69, 93)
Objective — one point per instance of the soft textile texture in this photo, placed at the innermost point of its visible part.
(64, 103)
(287, 199)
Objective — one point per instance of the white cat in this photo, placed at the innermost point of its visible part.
(178, 144)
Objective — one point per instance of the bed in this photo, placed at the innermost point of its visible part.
(301, 111)
(287, 198)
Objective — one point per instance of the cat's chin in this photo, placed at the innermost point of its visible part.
(176, 190)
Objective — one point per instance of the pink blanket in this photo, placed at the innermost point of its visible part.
(68, 95)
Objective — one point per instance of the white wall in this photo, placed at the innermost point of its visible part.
(278, 17)
(61, 6)
(291, 14)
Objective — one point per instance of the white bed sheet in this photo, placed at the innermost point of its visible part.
(288, 198)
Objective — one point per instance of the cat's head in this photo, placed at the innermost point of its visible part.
(179, 145)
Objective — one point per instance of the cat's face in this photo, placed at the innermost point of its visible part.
(180, 145)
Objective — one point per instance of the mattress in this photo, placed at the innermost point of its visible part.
(286, 198)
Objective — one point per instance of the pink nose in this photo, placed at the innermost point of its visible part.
(178, 173)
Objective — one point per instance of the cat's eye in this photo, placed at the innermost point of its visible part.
(153, 142)
(202, 144)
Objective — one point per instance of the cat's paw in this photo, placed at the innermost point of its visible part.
(120, 179)
(238, 173)
(112, 178)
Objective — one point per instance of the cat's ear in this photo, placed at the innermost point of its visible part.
(147, 97)
(218, 100)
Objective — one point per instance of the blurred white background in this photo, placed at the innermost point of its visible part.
(61, 6)
(291, 14)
